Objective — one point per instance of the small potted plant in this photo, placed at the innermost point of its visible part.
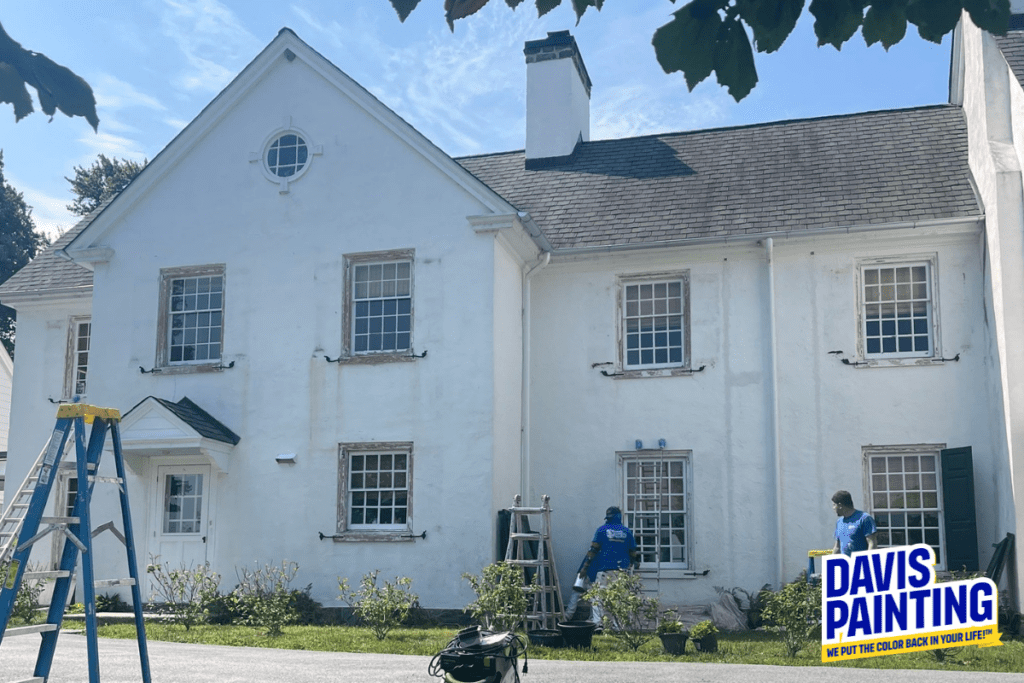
(704, 636)
(673, 635)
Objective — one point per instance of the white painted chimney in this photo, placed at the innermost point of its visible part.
(557, 99)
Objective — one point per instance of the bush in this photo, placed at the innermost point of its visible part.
(626, 611)
(186, 592)
(26, 602)
(703, 629)
(308, 612)
(111, 603)
(501, 598)
(380, 607)
(669, 623)
(222, 610)
(263, 597)
(795, 611)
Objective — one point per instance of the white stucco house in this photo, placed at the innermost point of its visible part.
(329, 338)
(6, 383)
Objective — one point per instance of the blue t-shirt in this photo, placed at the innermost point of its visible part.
(616, 541)
(852, 532)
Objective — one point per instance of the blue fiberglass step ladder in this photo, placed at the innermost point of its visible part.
(19, 531)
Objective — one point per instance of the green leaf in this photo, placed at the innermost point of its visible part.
(60, 88)
(545, 6)
(990, 15)
(934, 18)
(885, 21)
(581, 6)
(771, 21)
(734, 60)
(460, 9)
(404, 7)
(513, 3)
(687, 43)
(13, 91)
(836, 20)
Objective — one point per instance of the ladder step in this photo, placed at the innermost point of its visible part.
(106, 583)
(528, 511)
(59, 520)
(527, 563)
(32, 680)
(57, 574)
(107, 480)
(526, 536)
(25, 630)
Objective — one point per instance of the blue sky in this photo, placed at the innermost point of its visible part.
(154, 64)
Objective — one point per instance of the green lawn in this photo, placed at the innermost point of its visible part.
(734, 648)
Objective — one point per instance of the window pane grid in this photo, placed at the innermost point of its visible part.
(655, 509)
(183, 496)
(905, 500)
(83, 333)
(196, 309)
(897, 311)
(378, 489)
(287, 155)
(653, 319)
(382, 310)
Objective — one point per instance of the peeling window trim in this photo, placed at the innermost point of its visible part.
(343, 533)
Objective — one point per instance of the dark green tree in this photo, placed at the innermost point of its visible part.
(706, 36)
(57, 87)
(105, 178)
(19, 243)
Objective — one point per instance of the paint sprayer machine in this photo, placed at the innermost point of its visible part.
(478, 656)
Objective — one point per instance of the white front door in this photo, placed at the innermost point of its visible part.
(182, 518)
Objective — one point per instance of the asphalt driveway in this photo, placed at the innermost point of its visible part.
(177, 663)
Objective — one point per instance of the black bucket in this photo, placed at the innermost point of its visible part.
(546, 638)
(577, 634)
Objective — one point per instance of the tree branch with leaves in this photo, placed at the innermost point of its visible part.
(714, 36)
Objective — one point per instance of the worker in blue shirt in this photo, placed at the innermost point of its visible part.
(855, 530)
(613, 548)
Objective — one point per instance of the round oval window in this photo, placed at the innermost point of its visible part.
(287, 155)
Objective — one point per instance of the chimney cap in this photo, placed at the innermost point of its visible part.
(558, 45)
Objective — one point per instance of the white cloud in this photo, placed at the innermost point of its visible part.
(112, 146)
(640, 109)
(113, 93)
(215, 44)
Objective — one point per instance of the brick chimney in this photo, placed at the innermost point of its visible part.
(557, 100)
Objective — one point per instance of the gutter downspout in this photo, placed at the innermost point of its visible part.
(524, 419)
(776, 446)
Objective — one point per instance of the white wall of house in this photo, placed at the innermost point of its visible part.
(283, 256)
(828, 411)
(993, 103)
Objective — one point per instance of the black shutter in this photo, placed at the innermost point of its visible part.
(958, 509)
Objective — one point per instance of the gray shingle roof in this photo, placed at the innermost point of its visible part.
(49, 272)
(197, 418)
(872, 168)
(1012, 46)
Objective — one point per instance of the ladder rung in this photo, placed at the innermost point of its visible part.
(528, 511)
(56, 574)
(25, 630)
(60, 520)
(32, 680)
(526, 536)
(107, 480)
(527, 563)
(106, 583)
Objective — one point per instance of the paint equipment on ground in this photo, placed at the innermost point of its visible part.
(476, 655)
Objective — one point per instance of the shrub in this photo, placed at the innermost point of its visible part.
(626, 611)
(308, 612)
(380, 607)
(186, 592)
(264, 597)
(669, 623)
(222, 610)
(501, 598)
(111, 603)
(26, 602)
(703, 629)
(795, 611)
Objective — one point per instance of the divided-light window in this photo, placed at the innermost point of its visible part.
(381, 307)
(897, 313)
(654, 325)
(375, 489)
(192, 316)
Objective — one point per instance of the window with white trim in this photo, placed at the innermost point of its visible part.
(375, 487)
(378, 305)
(905, 494)
(192, 316)
(897, 314)
(79, 341)
(656, 506)
(654, 312)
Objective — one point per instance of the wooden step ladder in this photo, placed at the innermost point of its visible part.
(22, 519)
(532, 551)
